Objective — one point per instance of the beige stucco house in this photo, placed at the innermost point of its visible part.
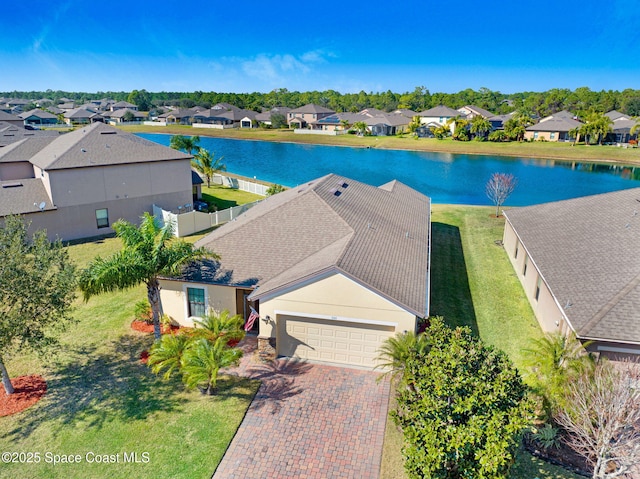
(307, 116)
(77, 184)
(334, 267)
(578, 263)
(554, 127)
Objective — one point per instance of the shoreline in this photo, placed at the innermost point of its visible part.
(605, 154)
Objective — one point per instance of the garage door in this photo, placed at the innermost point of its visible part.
(332, 341)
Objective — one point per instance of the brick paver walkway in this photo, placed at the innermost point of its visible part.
(308, 421)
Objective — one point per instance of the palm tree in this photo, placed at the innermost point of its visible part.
(220, 325)
(148, 251)
(205, 163)
(396, 350)
(480, 126)
(166, 354)
(361, 127)
(187, 143)
(441, 132)
(203, 359)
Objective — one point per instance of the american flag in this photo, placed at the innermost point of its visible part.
(252, 319)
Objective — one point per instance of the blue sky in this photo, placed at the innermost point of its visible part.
(228, 46)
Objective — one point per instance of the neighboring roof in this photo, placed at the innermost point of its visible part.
(101, 145)
(38, 114)
(123, 104)
(11, 133)
(195, 178)
(586, 250)
(4, 116)
(406, 112)
(561, 121)
(23, 196)
(311, 108)
(391, 119)
(379, 237)
(440, 110)
(24, 149)
(616, 115)
(337, 118)
(80, 113)
(477, 110)
(120, 113)
(266, 115)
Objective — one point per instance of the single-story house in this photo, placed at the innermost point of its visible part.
(75, 185)
(10, 133)
(333, 267)
(265, 116)
(578, 263)
(118, 116)
(387, 124)
(621, 128)
(80, 116)
(38, 117)
(340, 121)
(11, 119)
(123, 105)
(554, 127)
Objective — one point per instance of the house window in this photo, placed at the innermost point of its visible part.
(515, 253)
(538, 286)
(526, 263)
(102, 218)
(552, 135)
(535, 135)
(195, 300)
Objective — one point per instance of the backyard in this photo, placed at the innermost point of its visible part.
(102, 400)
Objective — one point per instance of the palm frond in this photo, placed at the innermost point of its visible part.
(166, 354)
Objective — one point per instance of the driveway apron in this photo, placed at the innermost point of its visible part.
(308, 421)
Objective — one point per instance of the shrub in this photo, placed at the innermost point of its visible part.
(142, 312)
(547, 436)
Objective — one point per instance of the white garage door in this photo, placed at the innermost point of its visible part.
(332, 341)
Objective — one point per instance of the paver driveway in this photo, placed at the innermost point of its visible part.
(308, 421)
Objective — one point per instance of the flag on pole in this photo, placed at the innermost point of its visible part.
(252, 319)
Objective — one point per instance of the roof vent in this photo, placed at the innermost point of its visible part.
(337, 193)
(15, 184)
(83, 150)
(344, 184)
(108, 132)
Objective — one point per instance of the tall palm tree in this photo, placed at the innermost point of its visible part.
(186, 143)
(205, 163)
(203, 359)
(148, 251)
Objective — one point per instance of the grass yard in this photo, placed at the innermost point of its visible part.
(101, 400)
(473, 284)
(224, 197)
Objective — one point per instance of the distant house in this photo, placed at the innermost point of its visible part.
(265, 116)
(38, 117)
(554, 127)
(123, 105)
(231, 118)
(80, 116)
(387, 124)
(308, 260)
(621, 128)
(339, 121)
(11, 119)
(14, 106)
(10, 133)
(307, 116)
(438, 115)
(498, 121)
(118, 116)
(577, 262)
(77, 184)
(471, 111)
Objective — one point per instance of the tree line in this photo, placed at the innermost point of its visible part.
(578, 101)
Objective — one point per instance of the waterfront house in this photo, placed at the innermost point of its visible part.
(554, 127)
(577, 262)
(333, 267)
(307, 116)
(38, 117)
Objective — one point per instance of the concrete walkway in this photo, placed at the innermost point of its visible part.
(308, 421)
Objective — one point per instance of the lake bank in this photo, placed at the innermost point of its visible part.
(544, 150)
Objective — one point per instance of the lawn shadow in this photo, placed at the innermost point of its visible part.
(450, 291)
(93, 388)
(220, 203)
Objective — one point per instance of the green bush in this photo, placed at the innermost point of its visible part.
(142, 312)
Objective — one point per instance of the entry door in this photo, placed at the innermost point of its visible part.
(243, 306)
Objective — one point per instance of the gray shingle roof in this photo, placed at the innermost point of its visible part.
(561, 121)
(311, 108)
(11, 133)
(23, 196)
(586, 250)
(25, 149)
(38, 113)
(377, 236)
(101, 145)
(440, 110)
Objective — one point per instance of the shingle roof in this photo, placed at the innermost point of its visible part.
(23, 196)
(377, 236)
(586, 250)
(478, 111)
(311, 108)
(561, 121)
(4, 116)
(37, 113)
(392, 119)
(12, 133)
(24, 149)
(101, 145)
(440, 110)
(616, 115)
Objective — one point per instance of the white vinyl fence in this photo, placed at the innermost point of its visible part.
(191, 222)
(240, 184)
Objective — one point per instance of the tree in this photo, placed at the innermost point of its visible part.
(480, 126)
(140, 98)
(205, 163)
(186, 143)
(499, 187)
(554, 360)
(199, 354)
(602, 416)
(37, 289)
(463, 409)
(396, 351)
(441, 132)
(128, 116)
(275, 189)
(361, 127)
(460, 132)
(148, 251)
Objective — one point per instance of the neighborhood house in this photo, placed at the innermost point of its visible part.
(333, 268)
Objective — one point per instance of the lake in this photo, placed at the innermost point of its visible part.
(445, 177)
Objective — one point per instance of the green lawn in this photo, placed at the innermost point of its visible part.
(473, 284)
(102, 400)
(224, 197)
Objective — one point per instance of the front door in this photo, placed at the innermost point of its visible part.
(243, 306)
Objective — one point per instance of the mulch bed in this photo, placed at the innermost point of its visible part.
(562, 456)
(144, 356)
(143, 327)
(28, 391)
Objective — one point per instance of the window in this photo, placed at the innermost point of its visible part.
(524, 268)
(515, 253)
(102, 218)
(535, 135)
(552, 135)
(195, 300)
(538, 286)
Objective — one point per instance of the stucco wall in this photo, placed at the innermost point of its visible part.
(174, 302)
(335, 296)
(16, 171)
(545, 307)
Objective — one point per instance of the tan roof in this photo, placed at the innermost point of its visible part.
(99, 145)
(586, 250)
(379, 237)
